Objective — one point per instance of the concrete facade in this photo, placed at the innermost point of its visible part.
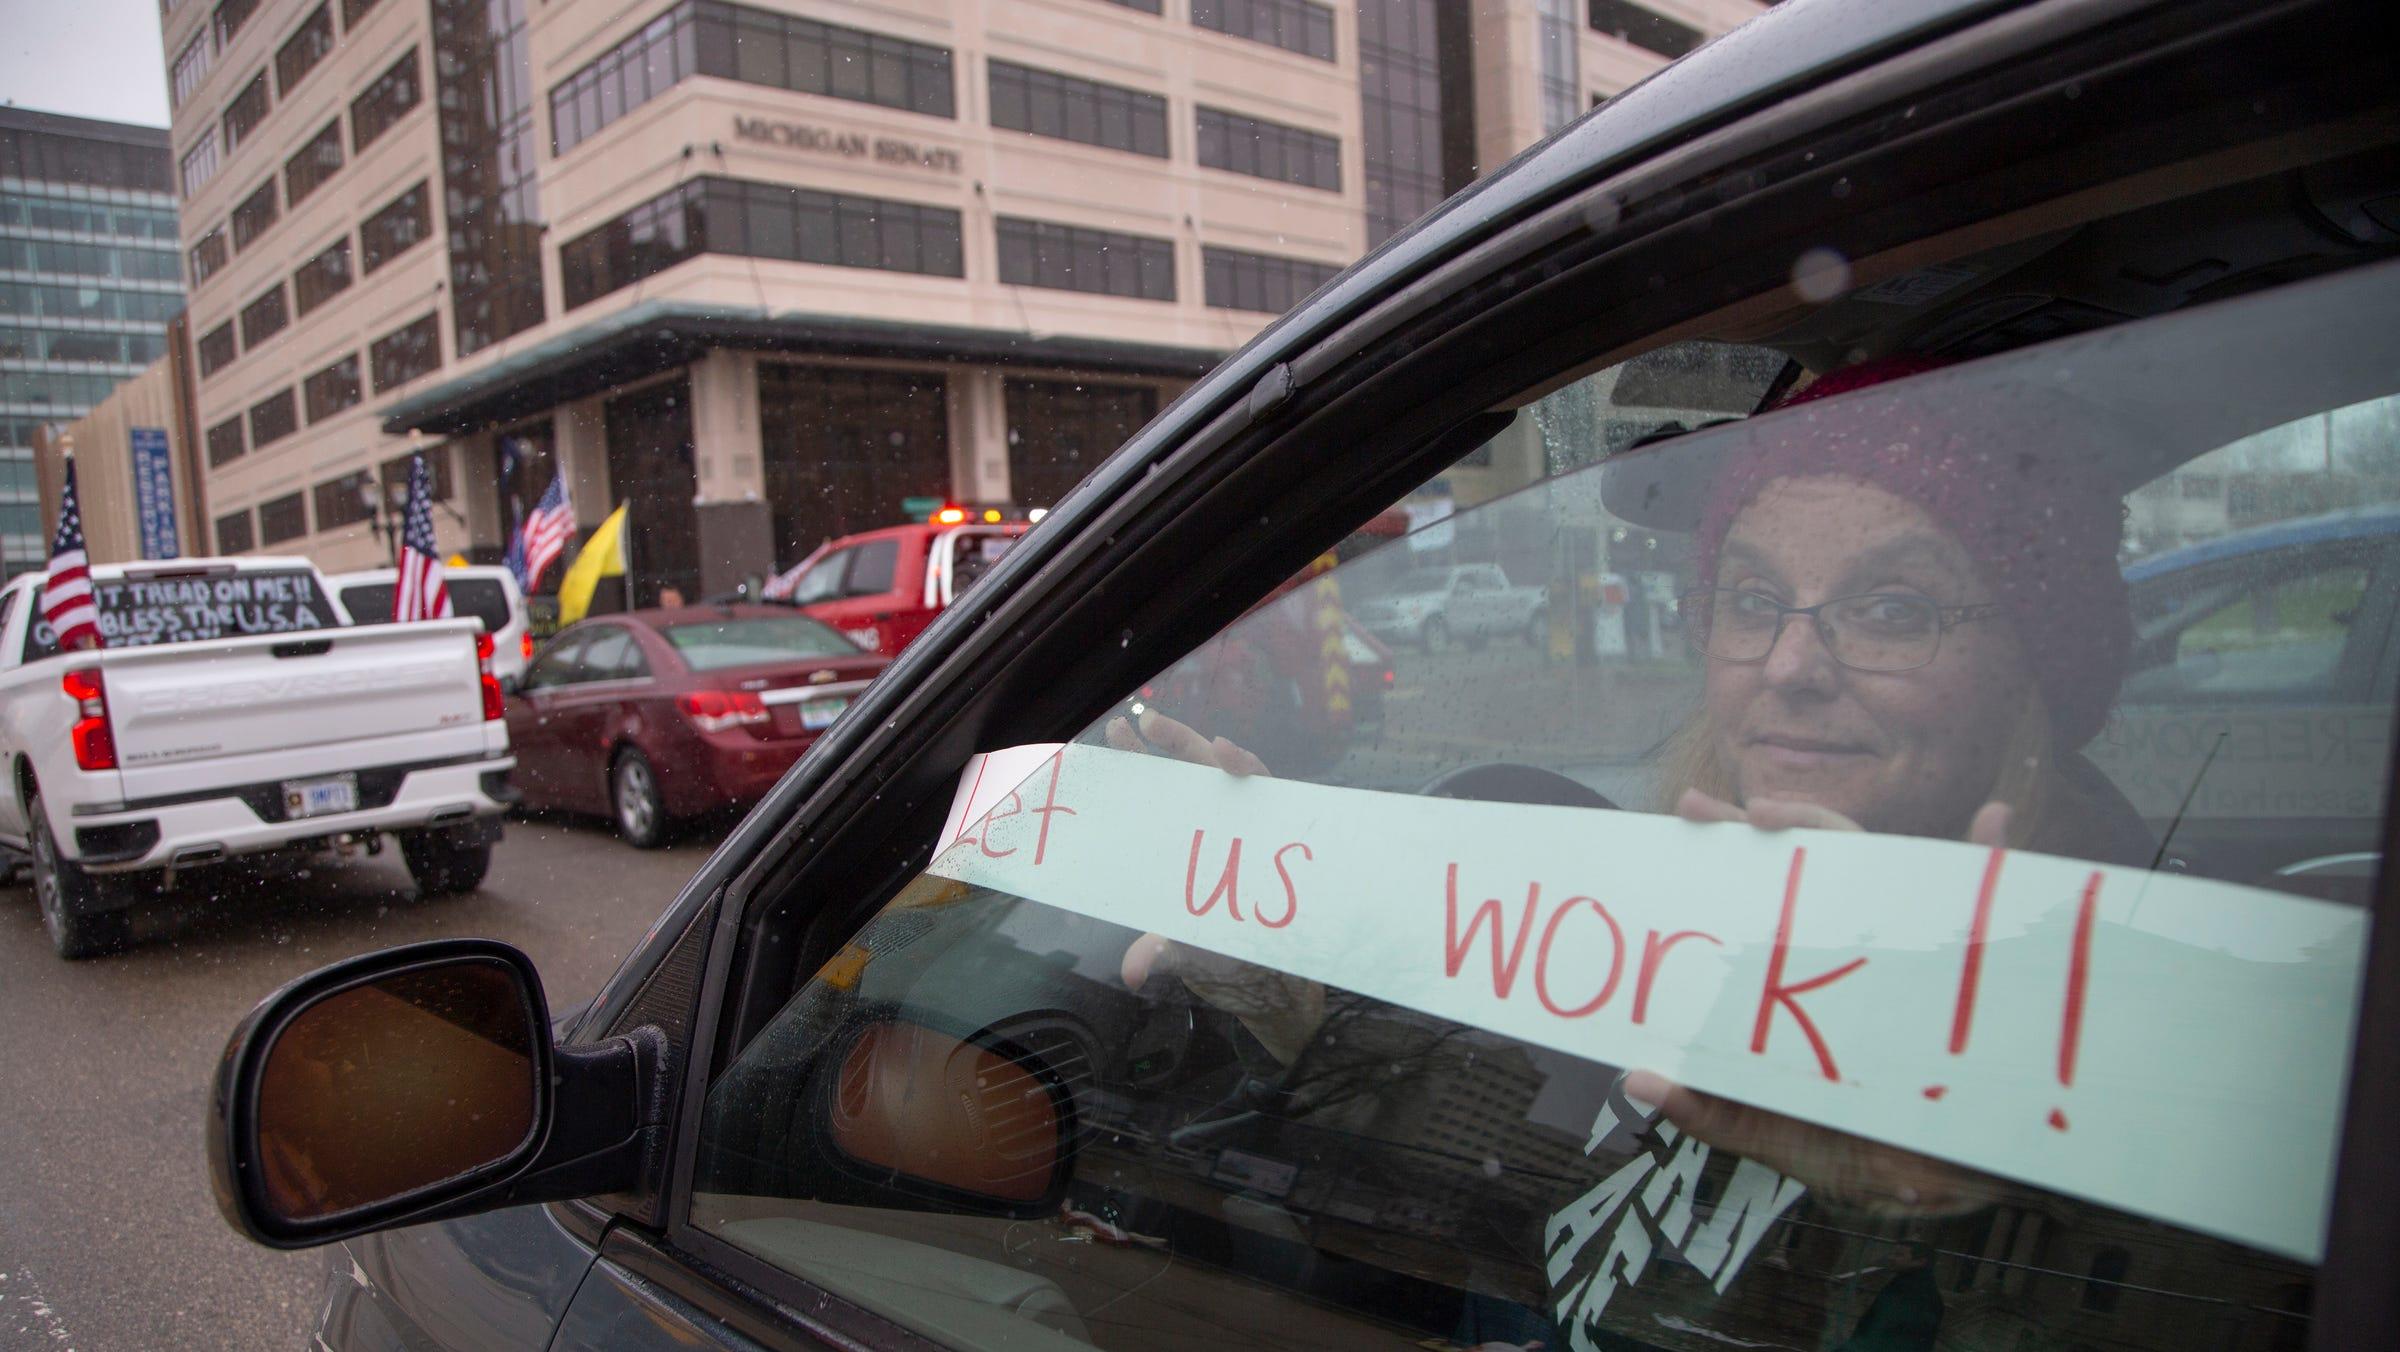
(789, 394)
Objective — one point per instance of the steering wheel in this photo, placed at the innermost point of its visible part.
(1511, 782)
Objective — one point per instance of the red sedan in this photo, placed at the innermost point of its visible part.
(655, 715)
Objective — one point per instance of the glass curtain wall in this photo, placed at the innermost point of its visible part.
(483, 71)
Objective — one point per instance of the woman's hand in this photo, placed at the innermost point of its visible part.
(1840, 1167)
(1281, 1011)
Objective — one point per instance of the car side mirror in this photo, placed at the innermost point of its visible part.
(974, 1124)
(417, 1084)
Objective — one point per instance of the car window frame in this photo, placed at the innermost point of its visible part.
(1249, 408)
(567, 648)
(2364, 649)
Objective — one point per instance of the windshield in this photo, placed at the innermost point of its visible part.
(480, 597)
(742, 642)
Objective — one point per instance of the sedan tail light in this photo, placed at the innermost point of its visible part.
(720, 710)
(495, 704)
(94, 740)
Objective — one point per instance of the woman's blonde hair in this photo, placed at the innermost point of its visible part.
(2028, 781)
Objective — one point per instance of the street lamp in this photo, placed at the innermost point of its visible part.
(375, 497)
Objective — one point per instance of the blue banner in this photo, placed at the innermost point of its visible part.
(154, 493)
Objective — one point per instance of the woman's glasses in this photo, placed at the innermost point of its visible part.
(1876, 631)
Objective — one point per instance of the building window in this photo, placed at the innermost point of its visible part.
(191, 67)
(253, 215)
(1644, 28)
(216, 353)
(323, 277)
(309, 44)
(331, 390)
(625, 77)
(344, 501)
(1046, 103)
(385, 102)
(317, 161)
(273, 418)
(784, 52)
(1077, 258)
(484, 76)
(1294, 25)
(1562, 63)
(228, 19)
(248, 109)
(355, 10)
(208, 255)
(234, 534)
(845, 446)
(392, 230)
(264, 318)
(200, 163)
(406, 352)
(281, 519)
(759, 220)
(1145, 6)
(225, 443)
(1059, 429)
(1262, 149)
(1416, 95)
(1237, 280)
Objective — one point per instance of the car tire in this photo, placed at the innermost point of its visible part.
(1434, 636)
(445, 863)
(80, 912)
(1537, 629)
(639, 810)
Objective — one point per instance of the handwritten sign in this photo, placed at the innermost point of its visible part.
(2167, 1045)
(139, 612)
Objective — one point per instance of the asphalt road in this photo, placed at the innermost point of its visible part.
(108, 1238)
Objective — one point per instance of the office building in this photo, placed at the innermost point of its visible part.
(770, 270)
(88, 283)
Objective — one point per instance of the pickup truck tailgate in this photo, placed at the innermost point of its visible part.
(185, 704)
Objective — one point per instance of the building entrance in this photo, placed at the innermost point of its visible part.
(845, 447)
(650, 466)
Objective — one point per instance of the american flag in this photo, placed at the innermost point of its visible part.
(422, 593)
(544, 535)
(67, 589)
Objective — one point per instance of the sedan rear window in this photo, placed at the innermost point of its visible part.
(737, 643)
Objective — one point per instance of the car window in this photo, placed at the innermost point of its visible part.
(137, 612)
(1796, 944)
(823, 580)
(611, 655)
(871, 568)
(557, 663)
(741, 642)
(480, 597)
(368, 602)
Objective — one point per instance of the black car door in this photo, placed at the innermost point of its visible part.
(933, 1095)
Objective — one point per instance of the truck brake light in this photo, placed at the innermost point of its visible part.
(720, 710)
(495, 704)
(95, 742)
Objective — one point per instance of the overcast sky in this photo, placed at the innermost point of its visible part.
(91, 58)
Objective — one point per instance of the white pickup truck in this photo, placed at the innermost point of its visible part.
(235, 711)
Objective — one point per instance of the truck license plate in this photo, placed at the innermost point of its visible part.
(816, 714)
(317, 797)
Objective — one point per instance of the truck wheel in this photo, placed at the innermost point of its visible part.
(443, 863)
(641, 813)
(1537, 629)
(1435, 636)
(83, 919)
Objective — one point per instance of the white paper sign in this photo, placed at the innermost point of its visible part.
(2166, 1045)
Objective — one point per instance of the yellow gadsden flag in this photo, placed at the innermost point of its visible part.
(603, 556)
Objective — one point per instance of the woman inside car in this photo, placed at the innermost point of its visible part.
(1905, 632)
